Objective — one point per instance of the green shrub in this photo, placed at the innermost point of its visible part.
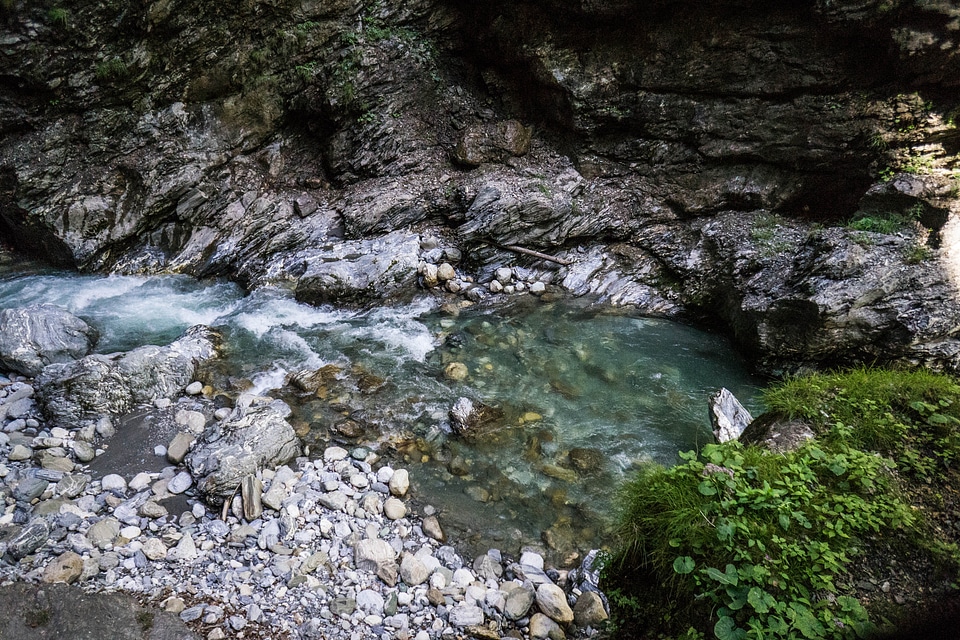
(755, 544)
(762, 537)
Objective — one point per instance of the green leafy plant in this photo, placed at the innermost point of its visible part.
(761, 536)
(762, 544)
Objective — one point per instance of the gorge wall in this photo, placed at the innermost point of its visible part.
(697, 159)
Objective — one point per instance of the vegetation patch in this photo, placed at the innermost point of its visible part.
(756, 544)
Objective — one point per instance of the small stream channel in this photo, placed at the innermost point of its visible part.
(581, 394)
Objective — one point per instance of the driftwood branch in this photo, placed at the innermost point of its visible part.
(536, 254)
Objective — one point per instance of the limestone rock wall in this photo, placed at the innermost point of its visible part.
(703, 156)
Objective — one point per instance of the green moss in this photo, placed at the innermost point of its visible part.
(111, 69)
(36, 617)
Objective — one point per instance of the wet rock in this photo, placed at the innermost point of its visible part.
(256, 437)
(82, 392)
(456, 371)
(35, 336)
(586, 460)
(361, 270)
(471, 419)
(728, 417)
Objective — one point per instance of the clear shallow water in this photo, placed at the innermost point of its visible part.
(581, 395)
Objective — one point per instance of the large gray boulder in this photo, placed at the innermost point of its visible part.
(255, 437)
(81, 392)
(361, 270)
(33, 337)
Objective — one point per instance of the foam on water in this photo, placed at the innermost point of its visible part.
(266, 309)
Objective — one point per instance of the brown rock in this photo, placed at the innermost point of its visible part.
(492, 142)
(589, 611)
(66, 568)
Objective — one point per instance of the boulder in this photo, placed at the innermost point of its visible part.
(33, 337)
(728, 417)
(777, 433)
(360, 271)
(256, 436)
(492, 142)
(79, 393)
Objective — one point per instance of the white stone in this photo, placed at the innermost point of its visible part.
(446, 272)
(552, 601)
(141, 481)
(465, 615)
(154, 549)
(384, 474)
(130, 532)
(399, 483)
(180, 483)
(333, 454)
(504, 275)
(195, 388)
(370, 601)
(394, 509)
(531, 559)
(113, 482)
(463, 577)
(185, 550)
(538, 288)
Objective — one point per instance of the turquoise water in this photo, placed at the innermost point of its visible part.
(580, 395)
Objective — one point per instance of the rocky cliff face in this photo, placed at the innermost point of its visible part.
(687, 157)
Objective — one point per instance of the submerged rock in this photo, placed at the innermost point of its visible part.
(80, 393)
(469, 419)
(256, 437)
(35, 336)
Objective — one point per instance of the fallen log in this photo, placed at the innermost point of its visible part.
(536, 254)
